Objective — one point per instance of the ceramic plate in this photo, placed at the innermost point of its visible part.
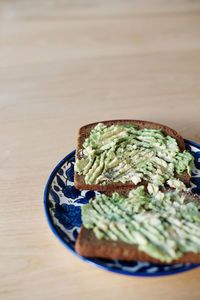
(62, 202)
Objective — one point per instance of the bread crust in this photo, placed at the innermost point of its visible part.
(84, 132)
(88, 245)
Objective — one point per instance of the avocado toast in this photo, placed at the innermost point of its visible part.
(162, 228)
(125, 153)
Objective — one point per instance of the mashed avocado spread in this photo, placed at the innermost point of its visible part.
(164, 225)
(121, 153)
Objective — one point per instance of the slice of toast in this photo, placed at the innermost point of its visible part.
(88, 245)
(84, 132)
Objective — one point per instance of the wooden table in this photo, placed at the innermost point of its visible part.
(64, 64)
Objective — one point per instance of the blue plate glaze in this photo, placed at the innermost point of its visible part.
(62, 202)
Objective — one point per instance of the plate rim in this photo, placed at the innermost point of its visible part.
(90, 261)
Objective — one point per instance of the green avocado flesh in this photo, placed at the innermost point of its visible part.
(121, 153)
(164, 225)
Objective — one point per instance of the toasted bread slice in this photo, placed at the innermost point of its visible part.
(84, 132)
(88, 245)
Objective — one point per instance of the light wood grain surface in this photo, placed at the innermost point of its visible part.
(64, 64)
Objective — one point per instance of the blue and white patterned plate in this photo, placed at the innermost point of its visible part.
(62, 202)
